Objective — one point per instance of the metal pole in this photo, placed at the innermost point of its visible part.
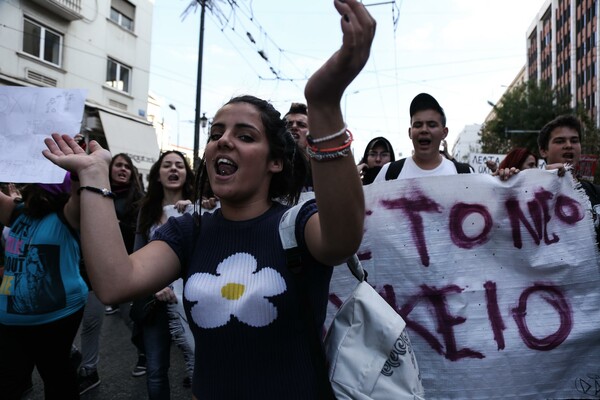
(199, 87)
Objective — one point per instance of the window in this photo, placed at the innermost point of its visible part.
(41, 42)
(122, 12)
(118, 76)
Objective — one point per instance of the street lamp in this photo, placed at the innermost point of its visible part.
(204, 122)
(172, 107)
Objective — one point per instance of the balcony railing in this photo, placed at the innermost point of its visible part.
(68, 9)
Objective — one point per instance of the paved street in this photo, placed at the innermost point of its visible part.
(117, 359)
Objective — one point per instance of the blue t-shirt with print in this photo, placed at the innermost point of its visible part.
(243, 306)
(41, 280)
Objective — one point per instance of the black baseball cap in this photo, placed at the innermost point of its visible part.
(424, 101)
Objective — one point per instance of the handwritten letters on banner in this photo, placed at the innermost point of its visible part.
(499, 282)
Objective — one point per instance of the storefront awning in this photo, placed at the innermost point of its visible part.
(134, 138)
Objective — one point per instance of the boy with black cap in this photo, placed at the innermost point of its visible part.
(427, 131)
(379, 152)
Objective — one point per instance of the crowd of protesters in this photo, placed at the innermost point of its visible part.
(99, 240)
(54, 299)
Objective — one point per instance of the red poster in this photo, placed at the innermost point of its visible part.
(587, 166)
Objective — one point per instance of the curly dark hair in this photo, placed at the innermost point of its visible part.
(287, 184)
(151, 204)
(39, 203)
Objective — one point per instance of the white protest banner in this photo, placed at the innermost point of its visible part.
(499, 282)
(27, 117)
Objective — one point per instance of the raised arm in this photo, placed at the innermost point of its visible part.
(336, 231)
(72, 208)
(7, 205)
(115, 276)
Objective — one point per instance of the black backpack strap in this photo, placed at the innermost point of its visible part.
(462, 168)
(394, 169)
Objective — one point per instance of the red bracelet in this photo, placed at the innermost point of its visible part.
(346, 144)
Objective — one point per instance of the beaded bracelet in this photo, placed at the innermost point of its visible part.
(339, 133)
(331, 153)
(327, 156)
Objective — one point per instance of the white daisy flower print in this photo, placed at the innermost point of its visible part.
(236, 291)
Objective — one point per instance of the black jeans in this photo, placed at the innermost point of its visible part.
(47, 347)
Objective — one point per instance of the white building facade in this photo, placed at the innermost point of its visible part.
(466, 143)
(102, 46)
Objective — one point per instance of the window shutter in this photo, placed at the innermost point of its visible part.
(125, 8)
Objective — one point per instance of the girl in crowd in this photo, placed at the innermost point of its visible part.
(126, 185)
(379, 151)
(240, 297)
(516, 160)
(519, 158)
(170, 183)
(42, 294)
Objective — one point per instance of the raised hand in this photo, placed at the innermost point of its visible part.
(64, 151)
(328, 83)
(13, 191)
(337, 185)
